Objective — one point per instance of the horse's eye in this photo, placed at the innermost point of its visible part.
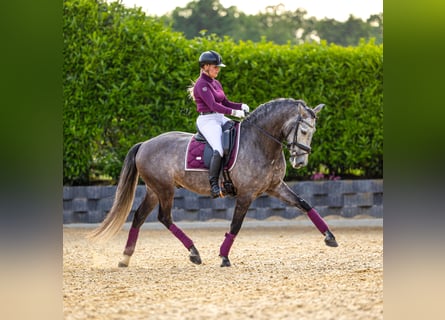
(303, 130)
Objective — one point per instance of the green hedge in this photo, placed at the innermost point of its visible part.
(125, 79)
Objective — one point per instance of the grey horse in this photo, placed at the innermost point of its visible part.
(260, 168)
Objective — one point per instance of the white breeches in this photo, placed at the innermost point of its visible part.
(210, 125)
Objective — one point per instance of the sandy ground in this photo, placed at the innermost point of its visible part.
(276, 273)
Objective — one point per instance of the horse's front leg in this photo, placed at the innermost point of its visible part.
(285, 194)
(242, 204)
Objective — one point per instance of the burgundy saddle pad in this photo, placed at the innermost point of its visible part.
(194, 156)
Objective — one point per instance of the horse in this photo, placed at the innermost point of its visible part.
(260, 168)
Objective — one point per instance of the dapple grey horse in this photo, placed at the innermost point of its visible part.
(260, 168)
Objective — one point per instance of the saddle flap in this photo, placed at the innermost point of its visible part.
(228, 139)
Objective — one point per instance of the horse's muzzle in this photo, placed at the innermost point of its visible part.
(298, 162)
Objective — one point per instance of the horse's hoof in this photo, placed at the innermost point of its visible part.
(195, 259)
(124, 262)
(225, 262)
(330, 240)
(194, 255)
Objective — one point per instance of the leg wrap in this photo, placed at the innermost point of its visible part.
(186, 241)
(317, 220)
(226, 245)
(131, 242)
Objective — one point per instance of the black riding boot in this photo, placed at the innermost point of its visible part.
(214, 171)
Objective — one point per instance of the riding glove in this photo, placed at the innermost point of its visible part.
(238, 113)
(245, 107)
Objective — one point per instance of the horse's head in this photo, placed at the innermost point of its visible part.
(300, 137)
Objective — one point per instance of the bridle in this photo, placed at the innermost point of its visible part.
(303, 147)
(294, 142)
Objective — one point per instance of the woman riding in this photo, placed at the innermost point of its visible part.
(212, 105)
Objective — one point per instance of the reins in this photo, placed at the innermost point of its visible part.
(268, 134)
(303, 147)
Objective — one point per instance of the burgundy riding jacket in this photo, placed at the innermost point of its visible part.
(210, 97)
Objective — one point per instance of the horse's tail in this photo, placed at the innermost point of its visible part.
(123, 200)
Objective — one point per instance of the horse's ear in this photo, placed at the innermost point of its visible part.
(318, 108)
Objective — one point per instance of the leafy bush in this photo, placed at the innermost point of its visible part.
(125, 77)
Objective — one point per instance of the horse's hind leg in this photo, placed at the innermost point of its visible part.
(142, 212)
(285, 194)
(164, 216)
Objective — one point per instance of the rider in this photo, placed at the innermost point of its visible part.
(212, 105)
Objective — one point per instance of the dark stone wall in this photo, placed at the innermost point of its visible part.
(347, 198)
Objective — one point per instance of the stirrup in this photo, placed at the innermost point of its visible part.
(228, 188)
(218, 194)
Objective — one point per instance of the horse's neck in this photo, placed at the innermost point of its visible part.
(266, 135)
(273, 124)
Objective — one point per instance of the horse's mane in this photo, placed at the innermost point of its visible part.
(263, 111)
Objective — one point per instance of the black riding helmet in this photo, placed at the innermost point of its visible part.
(210, 57)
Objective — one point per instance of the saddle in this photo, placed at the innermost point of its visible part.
(228, 142)
(199, 153)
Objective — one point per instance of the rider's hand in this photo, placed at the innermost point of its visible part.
(238, 113)
(245, 107)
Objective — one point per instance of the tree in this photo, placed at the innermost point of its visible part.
(279, 25)
(351, 31)
(207, 15)
(275, 24)
(375, 22)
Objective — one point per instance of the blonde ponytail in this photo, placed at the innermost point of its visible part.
(190, 90)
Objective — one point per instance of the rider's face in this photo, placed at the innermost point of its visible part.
(212, 70)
